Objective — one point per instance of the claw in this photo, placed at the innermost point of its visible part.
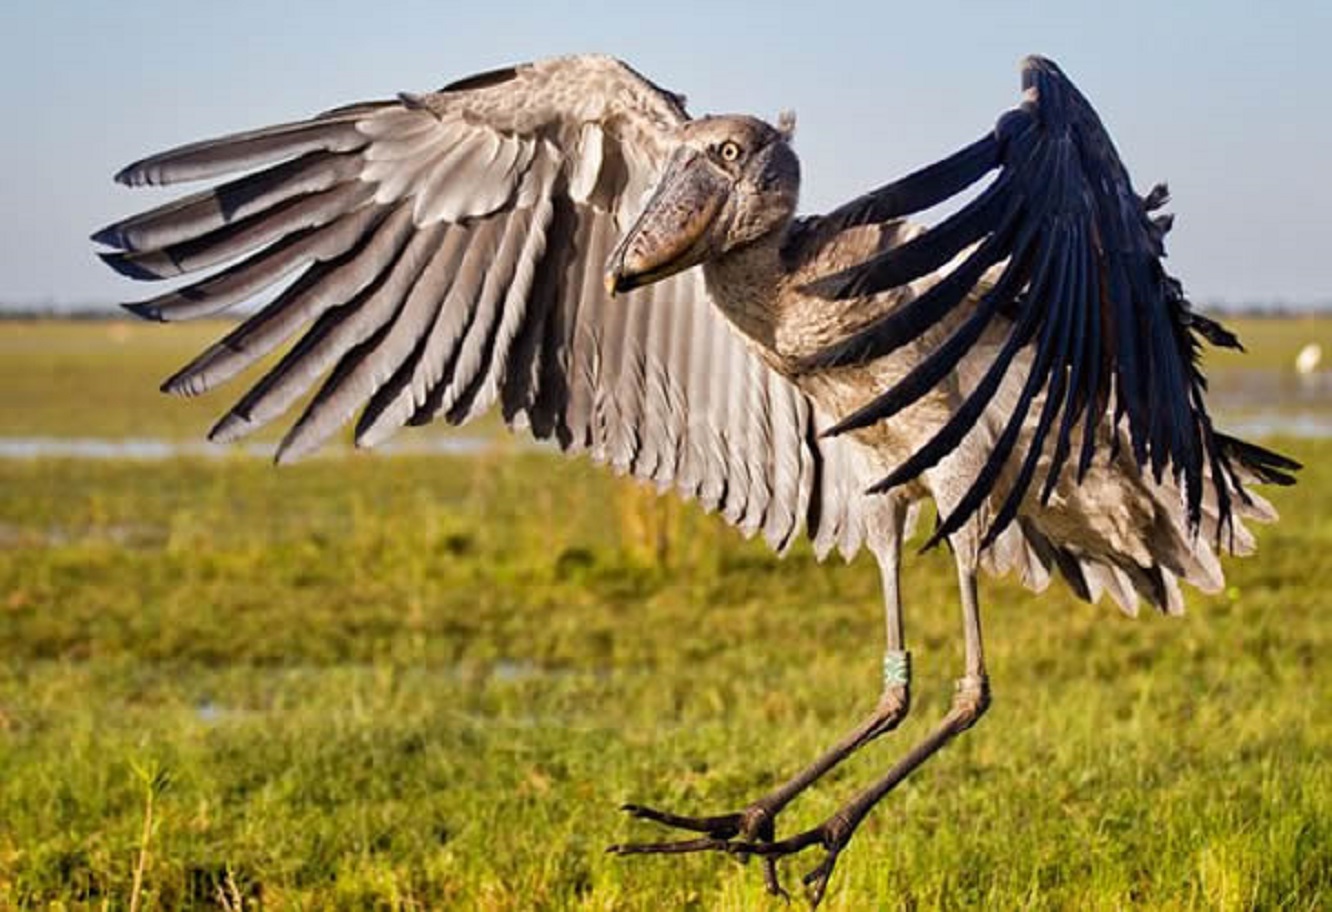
(816, 881)
(772, 882)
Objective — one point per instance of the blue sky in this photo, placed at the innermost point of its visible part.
(1229, 101)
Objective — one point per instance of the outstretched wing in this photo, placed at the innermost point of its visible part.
(445, 253)
(1082, 280)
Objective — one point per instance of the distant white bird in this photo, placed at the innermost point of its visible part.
(1307, 361)
(1027, 363)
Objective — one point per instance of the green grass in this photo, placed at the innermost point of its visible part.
(410, 682)
(1273, 343)
(100, 379)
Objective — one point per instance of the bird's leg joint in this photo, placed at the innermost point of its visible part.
(837, 831)
(971, 698)
(757, 822)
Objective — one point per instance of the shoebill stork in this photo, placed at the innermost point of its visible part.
(563, 242)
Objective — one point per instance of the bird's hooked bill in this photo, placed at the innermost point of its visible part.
(673, 231)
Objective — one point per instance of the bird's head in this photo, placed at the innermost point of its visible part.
(730, 181)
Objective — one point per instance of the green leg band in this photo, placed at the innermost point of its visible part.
(896, 668)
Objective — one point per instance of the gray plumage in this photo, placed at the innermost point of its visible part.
(1026, 364)
(452, 261)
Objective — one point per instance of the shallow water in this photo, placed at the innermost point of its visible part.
(1271, 424)
(1243, 389)
(1308, 424)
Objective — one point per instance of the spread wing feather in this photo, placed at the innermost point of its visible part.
(445, 254)
(1081, 280)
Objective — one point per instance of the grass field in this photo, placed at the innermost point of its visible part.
(428, 682)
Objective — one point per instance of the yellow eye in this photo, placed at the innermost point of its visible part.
(729, 151)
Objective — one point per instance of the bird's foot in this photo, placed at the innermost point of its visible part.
(749, 834)
(832, 835)
(754, 826)
(721, 833)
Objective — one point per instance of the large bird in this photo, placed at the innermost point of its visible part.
(562, 241)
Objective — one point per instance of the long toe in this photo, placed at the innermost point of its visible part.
(721, 826)
(677, 847)
(752, 826)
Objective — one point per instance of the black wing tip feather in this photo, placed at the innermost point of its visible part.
(111, 236)
(120, 262)
(284, 455)
(1215, 332)
(1269, 466)
(1157, 197)
(134, 175)
(870, 413)
(145, 311)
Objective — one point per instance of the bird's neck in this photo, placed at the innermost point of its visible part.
(746, 283)
(760, 288)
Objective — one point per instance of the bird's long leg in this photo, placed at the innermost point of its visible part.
(756, 822)
(970, 700)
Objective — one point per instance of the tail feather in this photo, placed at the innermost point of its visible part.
(1262, 465)
(1148, 565)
